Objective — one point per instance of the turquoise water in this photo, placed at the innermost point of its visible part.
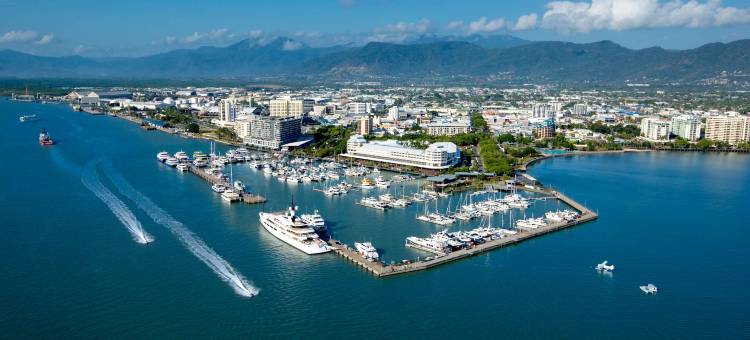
(71, 268)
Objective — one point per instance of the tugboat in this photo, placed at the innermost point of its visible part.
(44, 139)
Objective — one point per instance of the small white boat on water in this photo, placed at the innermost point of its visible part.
(218, 188)
(605, 267)
(649, 289)
(171, 161)
(162, 156)
(367, 251)
(182, 167)
(230, 195)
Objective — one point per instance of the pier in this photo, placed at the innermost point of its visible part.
(380, 269)
(244, 195)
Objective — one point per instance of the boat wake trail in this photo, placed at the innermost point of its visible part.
(195, 245)
(91, 181)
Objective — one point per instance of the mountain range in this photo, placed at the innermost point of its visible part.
(473, 57)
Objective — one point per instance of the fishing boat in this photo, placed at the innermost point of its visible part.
(44, 138)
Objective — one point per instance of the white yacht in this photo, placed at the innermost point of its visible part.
(367, 250)
(183, 167)
(649, 289)
(181, 156)
(171, 161)
(219, 188)
(289, 228)
(162, 156)
(230, 195)
(314, 220)
(427, 244)
(605, 267)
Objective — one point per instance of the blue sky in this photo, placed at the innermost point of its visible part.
(138, 27)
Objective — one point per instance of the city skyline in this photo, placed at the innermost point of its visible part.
(144, 28)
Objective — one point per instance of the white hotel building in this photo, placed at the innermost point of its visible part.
(437, 156)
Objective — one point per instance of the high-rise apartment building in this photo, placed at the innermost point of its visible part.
(286, 107)
(731, 128)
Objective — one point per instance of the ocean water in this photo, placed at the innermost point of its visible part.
(71, 265)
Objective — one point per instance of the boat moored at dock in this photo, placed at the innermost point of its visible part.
(290, 228)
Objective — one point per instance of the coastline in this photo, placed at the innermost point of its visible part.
(525, 166)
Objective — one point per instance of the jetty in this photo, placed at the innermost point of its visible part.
(380, 269)
(245, 196)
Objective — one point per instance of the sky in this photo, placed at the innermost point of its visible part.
(139, 27)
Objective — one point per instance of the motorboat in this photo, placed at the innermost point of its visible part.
(162, 156)
(649, 289)
(314, 220)
(183, 167)
(605, 267)
(218, 188)
(171, 161)
(230, 195)
(367, 250)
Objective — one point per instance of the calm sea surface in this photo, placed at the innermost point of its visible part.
(70, 267)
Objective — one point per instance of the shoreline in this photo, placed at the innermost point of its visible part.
(524, 167)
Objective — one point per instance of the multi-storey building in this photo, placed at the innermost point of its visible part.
(732, 128)
(273, 132)
(655, 129)
(437, 155)
(448, 127)
(286, 107)
(686, 126)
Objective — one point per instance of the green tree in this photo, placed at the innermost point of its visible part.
(506, 138)
(704, 144)
(193, 127)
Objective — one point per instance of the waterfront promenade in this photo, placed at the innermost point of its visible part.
(380, 269)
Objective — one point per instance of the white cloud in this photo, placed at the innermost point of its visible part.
(46, 39)
(619, 15)
(218, 34)
(483, 25)
(291, 45)
(79, 49)
(525, 22)
(420, 26)
(455, 24)
(18, 36)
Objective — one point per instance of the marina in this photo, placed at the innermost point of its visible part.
(380, 269)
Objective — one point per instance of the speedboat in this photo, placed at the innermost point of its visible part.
(649, 289)
(27, 118)
(604, 267)
(219, 188)
(183, 167)
(162, 156)
(239, 186)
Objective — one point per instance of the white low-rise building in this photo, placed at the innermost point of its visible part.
(448, 127)
(437, 155)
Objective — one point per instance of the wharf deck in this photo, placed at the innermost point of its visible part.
(380, 269)
(244, 196)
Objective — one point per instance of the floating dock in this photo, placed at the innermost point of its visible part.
(380, 269)
(244, 196)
